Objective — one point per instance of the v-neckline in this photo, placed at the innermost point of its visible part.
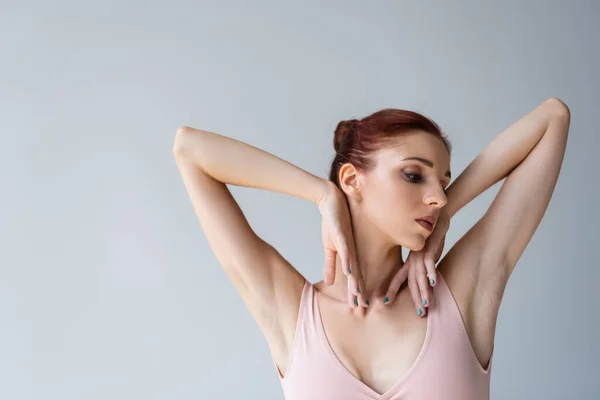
(366, 388)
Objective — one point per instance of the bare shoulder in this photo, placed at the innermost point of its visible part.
(287, 297)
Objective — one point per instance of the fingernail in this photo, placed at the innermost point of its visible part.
(358, 289)
(432, 282)
(356, 302)
(386, 300)
(424, 302)
(349, 271)
(367, 301)
(420, 312)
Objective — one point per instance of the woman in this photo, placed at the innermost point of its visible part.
(368, 336)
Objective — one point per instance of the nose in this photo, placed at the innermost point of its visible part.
(436, 197)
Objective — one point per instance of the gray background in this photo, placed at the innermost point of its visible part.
(108, 287)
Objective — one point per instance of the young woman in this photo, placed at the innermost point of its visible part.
(360, 333)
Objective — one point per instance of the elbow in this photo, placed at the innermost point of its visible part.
(181, 136)
(183, 130)
(559, 107)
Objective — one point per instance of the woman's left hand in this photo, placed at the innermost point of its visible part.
(419, 266)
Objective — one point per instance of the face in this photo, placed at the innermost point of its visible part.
(400, 189)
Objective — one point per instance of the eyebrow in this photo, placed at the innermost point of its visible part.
(428, 163)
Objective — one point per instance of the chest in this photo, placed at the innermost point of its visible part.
(378, 348)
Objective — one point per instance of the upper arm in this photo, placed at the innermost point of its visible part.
(269, 285)
(516, 212)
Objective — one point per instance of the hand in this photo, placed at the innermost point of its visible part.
(420, 265)
(336, 231)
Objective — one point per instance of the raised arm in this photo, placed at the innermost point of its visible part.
(529, 153)
(208, 162)
(269, 285)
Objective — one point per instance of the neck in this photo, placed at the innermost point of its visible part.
(379, 259)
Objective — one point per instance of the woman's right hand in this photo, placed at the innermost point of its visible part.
(336, 231)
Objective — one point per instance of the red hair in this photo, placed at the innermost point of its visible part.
(355, 141)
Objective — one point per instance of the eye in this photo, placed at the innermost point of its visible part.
(413, 177)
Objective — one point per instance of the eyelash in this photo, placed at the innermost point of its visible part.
(418, 178)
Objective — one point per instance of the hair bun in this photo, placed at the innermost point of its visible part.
(344, 130)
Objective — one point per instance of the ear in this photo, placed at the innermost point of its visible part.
(349, 180)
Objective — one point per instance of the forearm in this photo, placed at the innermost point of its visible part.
(501, 155)
(237, 163)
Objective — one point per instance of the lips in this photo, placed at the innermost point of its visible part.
(429, 219)
(425, 224)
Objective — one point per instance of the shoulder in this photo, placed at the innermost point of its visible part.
(282, 335)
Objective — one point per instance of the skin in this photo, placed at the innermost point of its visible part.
(383, 205)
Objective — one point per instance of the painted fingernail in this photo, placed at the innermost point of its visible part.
(367, 301)
(358, 289)
(356, 302)
(349, 271)
(386, 300)
(419, 312)
(432, 282)
(424, 302)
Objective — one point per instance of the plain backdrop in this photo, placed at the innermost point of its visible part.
(108, 286)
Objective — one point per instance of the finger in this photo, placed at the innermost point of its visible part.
(361, 293)
(424, 287)
(356, 278)
(353, 284)
(351, 297)
(415, 294)
(394, 287)
(342, 249)
(329, 268)
(353, 287)
(431, 272)
(351, 269)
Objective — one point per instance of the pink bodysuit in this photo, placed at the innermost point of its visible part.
(445, 369)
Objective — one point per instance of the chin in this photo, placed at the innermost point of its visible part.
(414, 243)
(417, 248)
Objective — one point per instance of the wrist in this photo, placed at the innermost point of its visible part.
(325, 190)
